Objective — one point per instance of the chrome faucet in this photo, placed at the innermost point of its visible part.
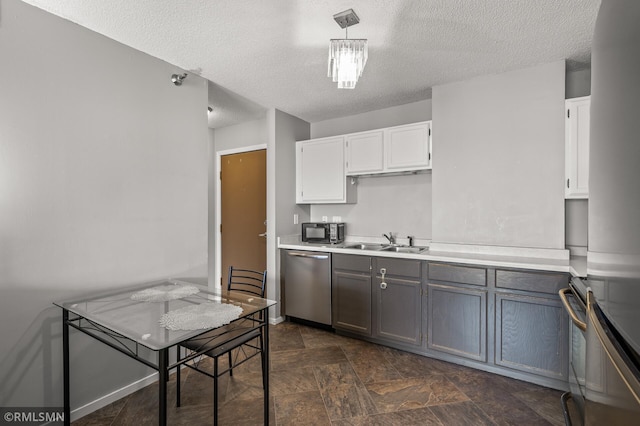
(390, 237)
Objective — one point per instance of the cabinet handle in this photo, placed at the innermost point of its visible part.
(383, 272)
(313, 256)
(567, 183)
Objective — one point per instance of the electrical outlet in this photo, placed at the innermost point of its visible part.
(295, 219)
(324, 218)
(337, 219)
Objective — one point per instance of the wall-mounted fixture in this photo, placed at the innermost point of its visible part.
(209, 110)
(177, 79)
(347, 57)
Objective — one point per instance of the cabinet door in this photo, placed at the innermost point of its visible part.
(577, 147)
(398, 310)
(320, 171)
(351, 302)
(408, 147)
(457, 321)
(365, 152)
(532, 335)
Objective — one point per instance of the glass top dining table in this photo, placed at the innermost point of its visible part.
(157, 315)
(136, 312)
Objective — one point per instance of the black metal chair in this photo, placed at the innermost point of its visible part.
(244, 335)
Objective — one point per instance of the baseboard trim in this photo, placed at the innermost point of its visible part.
(105, 400)
(277, 320)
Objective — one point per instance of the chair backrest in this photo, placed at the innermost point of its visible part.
(247, 281)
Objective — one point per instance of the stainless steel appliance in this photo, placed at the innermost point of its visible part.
(307, 286)
(574, 299)
(612, 395)
(613, 371)
(323, 232)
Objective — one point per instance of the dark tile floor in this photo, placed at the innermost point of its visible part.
(320, 378)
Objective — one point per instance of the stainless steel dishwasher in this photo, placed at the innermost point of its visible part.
(307, 291)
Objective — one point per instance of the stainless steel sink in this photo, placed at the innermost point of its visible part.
(362, 246)
(384, 247)
(404, 249)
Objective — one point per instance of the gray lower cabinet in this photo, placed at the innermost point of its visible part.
(504, 320)
(351, 293)
(397, 300)
(532, 327)
(457, 310)
(457, 321)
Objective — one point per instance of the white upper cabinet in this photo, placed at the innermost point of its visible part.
(320, 172)
(322, 165)
(365, 152)
(408, 147)
(394, 149)
(577, 117)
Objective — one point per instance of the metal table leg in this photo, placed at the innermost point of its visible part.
(265, 371)
(65, 367)
(163, 376)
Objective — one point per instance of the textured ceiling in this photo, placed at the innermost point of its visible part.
(262, 54)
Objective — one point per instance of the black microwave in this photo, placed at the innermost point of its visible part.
(323, 232)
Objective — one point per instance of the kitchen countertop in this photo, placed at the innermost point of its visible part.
(576, 265)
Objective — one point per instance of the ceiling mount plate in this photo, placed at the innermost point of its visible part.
(347, 18)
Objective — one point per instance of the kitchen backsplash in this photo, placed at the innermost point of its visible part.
(399, 204)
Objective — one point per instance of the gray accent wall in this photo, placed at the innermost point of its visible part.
(250, 133)
(103, 183)
(578, 83)
(284, 131)
(278, 131)
(576, 223)
(498, 159)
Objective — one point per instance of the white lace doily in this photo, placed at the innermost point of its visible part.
(164, 293)
(197, 317)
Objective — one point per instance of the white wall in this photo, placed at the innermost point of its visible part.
(386, 117)
(577, 84)
(498, 149)
(399, 204)
(103, 182)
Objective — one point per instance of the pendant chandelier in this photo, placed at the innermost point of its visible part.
(347, 57)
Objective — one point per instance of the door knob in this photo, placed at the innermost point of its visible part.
(264, 234)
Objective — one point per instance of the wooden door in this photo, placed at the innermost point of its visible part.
(243, 211)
